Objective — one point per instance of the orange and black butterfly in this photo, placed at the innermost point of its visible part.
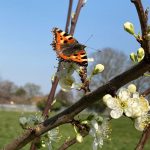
(68, 48)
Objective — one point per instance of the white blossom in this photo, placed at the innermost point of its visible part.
(99, 132)
(66, 83)
(142, 122)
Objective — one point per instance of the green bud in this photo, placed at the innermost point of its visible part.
(133, 57)
(140, 54)
(132, 88)
(129, 27)
(79, 138)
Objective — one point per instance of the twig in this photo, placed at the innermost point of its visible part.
(143, 18)
(144, 138)
(146, 92)
(75, 18)
(51, 96)
(69, 15)
(83, 129)
(67, 115)
(69, 143)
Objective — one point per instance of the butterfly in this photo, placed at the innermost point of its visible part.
(69, 49)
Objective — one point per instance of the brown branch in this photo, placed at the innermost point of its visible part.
(144, 138)
(69, 15)
(74, 20)
(143, 18)
(146, 92)
(67, 115)
(51, 97)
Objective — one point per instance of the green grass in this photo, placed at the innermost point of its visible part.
(124, 135)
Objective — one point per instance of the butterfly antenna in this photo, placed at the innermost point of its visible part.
(94, 48)
(89, 38)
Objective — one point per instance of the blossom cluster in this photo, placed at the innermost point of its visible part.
(66, 78)
(129, 102)
(100, 132)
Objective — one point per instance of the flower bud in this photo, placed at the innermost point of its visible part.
(140, 54)
(129, 27)
(133, 57)
(132, 88)
(106, 97)
(79, 138)
(98, 69)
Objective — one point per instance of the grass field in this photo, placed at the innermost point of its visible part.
(124, 135)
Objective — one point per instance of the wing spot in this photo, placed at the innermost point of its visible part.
(59, 31)
(65, 41)
(70, 38)
(65, 34)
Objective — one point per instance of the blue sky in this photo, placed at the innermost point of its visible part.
(25, 37)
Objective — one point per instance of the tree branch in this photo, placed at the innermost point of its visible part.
(146, 92)
(67, 115)
(69, 15)
(144, 138)
(143, 18)
(74, 20)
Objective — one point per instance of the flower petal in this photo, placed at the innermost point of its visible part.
(116, 113)
(124, 94)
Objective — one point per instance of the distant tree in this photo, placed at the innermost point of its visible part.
(32, 90)
(20, 92)
(7, 88)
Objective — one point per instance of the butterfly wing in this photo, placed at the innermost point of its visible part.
(62, 39)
